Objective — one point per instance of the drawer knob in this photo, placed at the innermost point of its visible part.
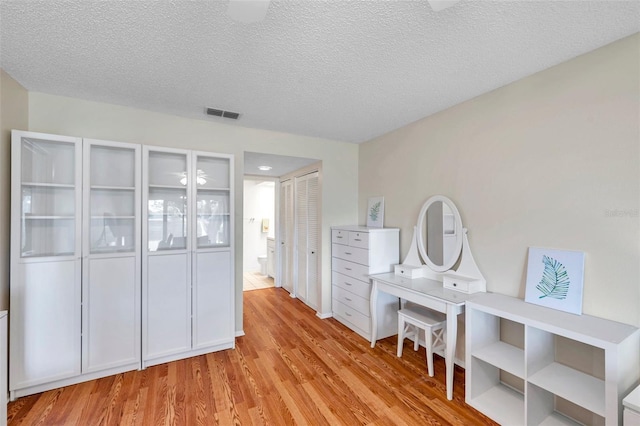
(357, 239)
(346, 252)
(347, 299)
(348, 269)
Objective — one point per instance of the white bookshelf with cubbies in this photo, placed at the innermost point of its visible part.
(522, 368)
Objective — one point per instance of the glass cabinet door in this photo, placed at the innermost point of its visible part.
(167, 201)
(213, 201)
(112, 199)
(48, 206)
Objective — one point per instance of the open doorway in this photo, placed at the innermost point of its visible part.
(260, 168)
(258, 233)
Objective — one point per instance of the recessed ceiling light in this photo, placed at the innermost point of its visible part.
(265, 168)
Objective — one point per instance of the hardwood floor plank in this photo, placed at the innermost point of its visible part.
(290, 368)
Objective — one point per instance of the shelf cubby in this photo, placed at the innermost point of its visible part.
(546, 408)
(492, 396)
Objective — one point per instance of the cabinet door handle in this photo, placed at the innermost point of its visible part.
(347, 299)
(349, 284)
(348, 269)
(347, 253)
(347, 314)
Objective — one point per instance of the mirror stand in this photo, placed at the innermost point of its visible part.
(467, 277)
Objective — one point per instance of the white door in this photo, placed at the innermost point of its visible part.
(111, 256)
(306, 220)
(300, 269)
(287, 232)
(213, 296)
(166, 271)
(213, 286)
(46, 203)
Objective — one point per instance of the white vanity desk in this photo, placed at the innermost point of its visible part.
(441, 241)
(428, 293)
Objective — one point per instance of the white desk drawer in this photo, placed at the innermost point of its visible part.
(359, 239)
(350, 269)
(357, 287)
(339, 236)
(361, 321)
(352, 254)
(351, 300)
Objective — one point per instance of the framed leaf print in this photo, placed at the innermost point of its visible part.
(555, 279)
(375, 212)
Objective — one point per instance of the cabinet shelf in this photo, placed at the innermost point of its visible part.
(501, 403)
(112, 188)
(206, 190)
(111, 217)
(47, 254)
(572, 385)
(182, 187)
(49, 185)
(44, 217)
(109, 250)
(504, 356)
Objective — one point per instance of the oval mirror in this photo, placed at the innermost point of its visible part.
(439, 233)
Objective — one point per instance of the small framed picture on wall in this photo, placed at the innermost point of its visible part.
(375, 212)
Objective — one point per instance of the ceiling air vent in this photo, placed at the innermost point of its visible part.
(221, 113)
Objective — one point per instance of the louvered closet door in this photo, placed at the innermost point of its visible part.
(312, 240)
(307, 238)
(286, 235)
(301, 238)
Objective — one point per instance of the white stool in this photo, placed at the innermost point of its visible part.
(413, 318)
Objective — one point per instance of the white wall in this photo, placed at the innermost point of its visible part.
(75, 117)
(259, 203)
(14, 114)
(552, 160)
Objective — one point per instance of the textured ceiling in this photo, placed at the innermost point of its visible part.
(342, 70)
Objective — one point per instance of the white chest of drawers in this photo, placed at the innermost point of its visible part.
(356, 253)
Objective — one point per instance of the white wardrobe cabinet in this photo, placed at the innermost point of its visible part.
(188, 255)
(75, 280)
(110, 273)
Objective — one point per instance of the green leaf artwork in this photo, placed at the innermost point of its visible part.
(374, 211)
(555, 280)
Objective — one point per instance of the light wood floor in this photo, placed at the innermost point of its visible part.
(290, 368)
